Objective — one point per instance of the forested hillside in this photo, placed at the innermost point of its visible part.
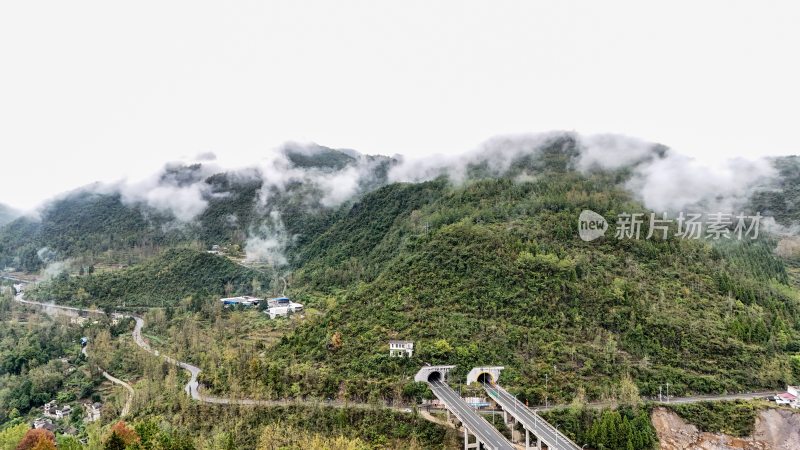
(163, 281)
(106, 223)
(487, 269)
(782, 199)
(80, 223)
(493, 272)
(7, 214)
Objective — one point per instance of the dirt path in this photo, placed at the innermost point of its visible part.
(127, 408)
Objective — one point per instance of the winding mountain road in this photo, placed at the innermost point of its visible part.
(192, 388)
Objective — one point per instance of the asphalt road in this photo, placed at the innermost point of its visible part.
(530, 419)
(476, 424)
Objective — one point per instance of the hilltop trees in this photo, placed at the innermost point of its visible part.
(176, 274)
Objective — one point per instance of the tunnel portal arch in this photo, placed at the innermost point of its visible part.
(431, 374)
(484, 375)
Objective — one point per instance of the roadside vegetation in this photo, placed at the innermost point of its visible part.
(735, 418)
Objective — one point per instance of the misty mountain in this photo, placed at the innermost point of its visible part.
(781, 197)
(317, 156)
(7, 214)
(489, 269)
(275, 207)
(492, 272)
(297, 191)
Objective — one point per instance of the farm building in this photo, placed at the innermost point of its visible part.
(244, 300)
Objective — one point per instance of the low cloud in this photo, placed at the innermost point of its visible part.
(178, 189)
(613, 151)
(678, 182)
(662, 179)
(206, 156)
(267, 243)
(497, 155)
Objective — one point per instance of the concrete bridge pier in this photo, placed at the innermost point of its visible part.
(532, 441)
(470, 445)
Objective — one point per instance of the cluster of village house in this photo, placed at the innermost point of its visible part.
(81, 321)
(276, 307)
(51, 411)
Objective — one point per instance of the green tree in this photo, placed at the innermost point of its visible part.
(11, 436)
(68, 443)
(114, 442)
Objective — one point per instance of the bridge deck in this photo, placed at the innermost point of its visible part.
(534, 423)
(477, 425)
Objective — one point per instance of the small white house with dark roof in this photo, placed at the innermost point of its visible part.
(401, 348)
(64, 412)
(50, 409)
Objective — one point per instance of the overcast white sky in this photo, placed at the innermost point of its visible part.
(99, 90)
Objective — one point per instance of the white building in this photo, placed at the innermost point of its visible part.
(401, 348)
(476, 402)
(50, 409)
(789, 398)
(92, 411)
(283, 309)
(63, 412)
(278, 311)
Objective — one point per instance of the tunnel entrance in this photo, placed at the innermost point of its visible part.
(434, 377)
(485, 378)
